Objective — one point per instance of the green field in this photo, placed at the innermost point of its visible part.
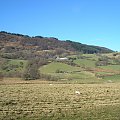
(52, 101)
(85, 62)
(69, 74)
(114, 78)
(91, 56)
(85, 70)
(112, 67)
(52, 67)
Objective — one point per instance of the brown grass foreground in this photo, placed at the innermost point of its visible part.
(42, 100)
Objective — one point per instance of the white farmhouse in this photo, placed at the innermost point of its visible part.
(61, 59)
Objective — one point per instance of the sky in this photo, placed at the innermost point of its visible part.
(92, 22)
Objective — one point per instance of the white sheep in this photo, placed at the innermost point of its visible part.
(77, 92)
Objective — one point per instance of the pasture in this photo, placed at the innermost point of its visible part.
(68, 73)
(85, 62)
(43, 100)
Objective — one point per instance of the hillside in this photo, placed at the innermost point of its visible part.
(35, 57)
(11, 42)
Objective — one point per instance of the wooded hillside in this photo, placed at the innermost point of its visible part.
(11, 42)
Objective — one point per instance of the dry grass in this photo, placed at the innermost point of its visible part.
(58, 101)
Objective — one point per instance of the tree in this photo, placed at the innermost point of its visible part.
(102, 61)
(32, 69)
(31, 72)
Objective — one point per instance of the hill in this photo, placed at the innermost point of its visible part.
(11, 42)
(35, 57)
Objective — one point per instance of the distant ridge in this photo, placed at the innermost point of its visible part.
(37, 43)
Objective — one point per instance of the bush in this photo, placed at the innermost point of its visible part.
(59, 71)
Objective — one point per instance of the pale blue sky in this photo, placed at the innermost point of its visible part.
(94, 22)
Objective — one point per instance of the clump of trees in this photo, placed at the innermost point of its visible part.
(32, 69)
(31, 73)
(102, 61)
(105, 60)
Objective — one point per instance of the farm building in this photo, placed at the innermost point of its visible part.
(61, 59)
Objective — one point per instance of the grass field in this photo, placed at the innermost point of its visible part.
(85, 62)
(70, 74)
(37, 100)
(52, 67)
(114, 78)
(112, 67)
(83, 73)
